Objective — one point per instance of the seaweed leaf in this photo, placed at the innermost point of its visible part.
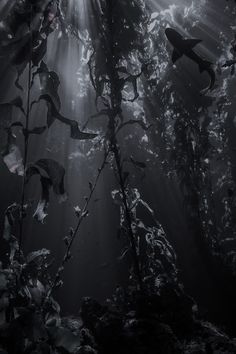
(55, 172)
(229, 63)
(13, 160)
(41, 210)
(37, 256)
(6, 111)
(49, 83)
(132, 122)
(11, 153)
(137, 163)
(54, 179)
(53, 114)
(9, 220)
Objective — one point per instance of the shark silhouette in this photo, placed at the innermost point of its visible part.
(185, 47)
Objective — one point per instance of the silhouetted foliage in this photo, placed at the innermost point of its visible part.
(126, 65)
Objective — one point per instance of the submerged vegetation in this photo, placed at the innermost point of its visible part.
(138, 108)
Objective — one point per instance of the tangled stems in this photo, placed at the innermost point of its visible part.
(114, 113)
(121, 180)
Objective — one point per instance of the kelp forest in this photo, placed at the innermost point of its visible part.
(117, 177)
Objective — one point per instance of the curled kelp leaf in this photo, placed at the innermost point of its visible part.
(53, 113)
(49, 85)
(51, 176)
(11, 153)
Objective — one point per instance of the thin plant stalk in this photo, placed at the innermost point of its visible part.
(128, 217)
(26, 135)
(82, 215)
